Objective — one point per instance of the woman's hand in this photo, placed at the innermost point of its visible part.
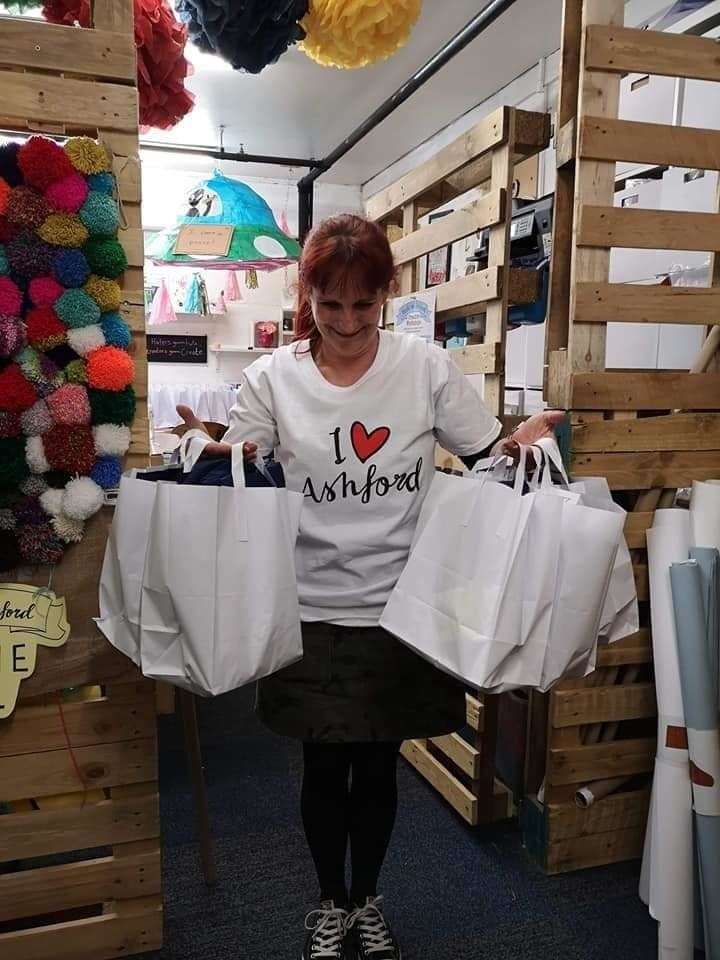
(214, 448)
(531, 430)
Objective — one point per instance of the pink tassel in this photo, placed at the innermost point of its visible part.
(220, 305)
(231, 288)
(284, 226)
(161, 310)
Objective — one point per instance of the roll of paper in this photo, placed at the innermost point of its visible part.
(705, 513)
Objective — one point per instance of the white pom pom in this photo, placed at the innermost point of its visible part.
(51, 501)
(82, 498)
(111, 440)
(35, 455)
(67, 528)
(84, 339)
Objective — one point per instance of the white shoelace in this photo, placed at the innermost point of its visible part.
(329, 932)
(371, 926)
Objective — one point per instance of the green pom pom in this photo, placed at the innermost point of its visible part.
(75, 372)
(76, 309)
(13, 465)
(106, 257)
(100, 215)
(112, 406)
(4, 266)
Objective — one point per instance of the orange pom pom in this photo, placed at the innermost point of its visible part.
(110, 368)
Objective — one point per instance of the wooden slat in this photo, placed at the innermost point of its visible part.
(640, 471)
(565, 144)
(678, 431)
(113, 15)
(462, 754)
(660, 390)
(611, 846)
(636, 525)
(606, 227)
(580, 764)
(134, 315)
(24, 835)
(598, 704)
(104, 765)
(474, 713)
(83, 660)
(636, 303)
(478, 357)
(31, 893)
(110, 935)
(46, 46)
(457, 795)
(614, 656)
(485, 212)
(127, 173)
(29, 96)
(626, 50)
(468, 293)
(637, 142)
(619, 811)
(132, 243)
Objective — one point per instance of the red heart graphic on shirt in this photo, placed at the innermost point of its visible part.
(366, 444)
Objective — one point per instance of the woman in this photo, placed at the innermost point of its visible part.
(353, 413)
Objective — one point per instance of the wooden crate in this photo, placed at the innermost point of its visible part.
(492, 155)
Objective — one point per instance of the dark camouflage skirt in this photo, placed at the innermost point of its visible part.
(359, 684)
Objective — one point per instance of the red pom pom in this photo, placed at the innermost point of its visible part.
(45, 329)
(44, 291)
(4, 194)
(71, 449)
(43, 161)
(16, 392)
(8, 231)
(10, 298)
(110, 368)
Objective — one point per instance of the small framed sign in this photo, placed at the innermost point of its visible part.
(438, 261)
(197, 240)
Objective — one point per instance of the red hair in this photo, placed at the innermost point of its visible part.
(342, 251)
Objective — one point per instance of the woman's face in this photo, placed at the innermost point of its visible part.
(347, 318)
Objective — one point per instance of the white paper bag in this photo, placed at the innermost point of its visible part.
(219, 596)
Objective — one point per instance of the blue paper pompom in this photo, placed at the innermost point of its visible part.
(71, 268)
(100, 215)
(117, 332)
(102, 183)
(107, 472)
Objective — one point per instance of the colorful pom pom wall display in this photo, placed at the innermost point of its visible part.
(66, 396)
(355, 33)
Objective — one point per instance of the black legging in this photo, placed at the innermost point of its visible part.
(349, 791)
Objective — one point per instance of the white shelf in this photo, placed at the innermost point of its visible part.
(233, 349)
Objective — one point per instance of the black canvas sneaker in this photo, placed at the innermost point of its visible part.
(369, 933)
(326, 939)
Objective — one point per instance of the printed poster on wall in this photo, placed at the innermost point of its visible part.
(415, 314)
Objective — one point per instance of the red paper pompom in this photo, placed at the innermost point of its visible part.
(16, 392)
(71, 449)
(110, 368)
(68, 12)
(162, 68)
(4, 194)
(45, 330)
(44, 291)
(43, 161)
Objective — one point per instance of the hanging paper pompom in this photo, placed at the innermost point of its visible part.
(247, 34)
(106, 293)
(161, 310)
(86, 339)
(355, 33)
(69, 194)
(70, 448)
(37, 419)
(76, 309)
(83, 497)
(33, 485)
(64, 230)
(68, 529)
(220, 306)
(70, 405)
(12, 336)
(26, 208)
(251, 279)
(51, 501)
(10, 425)
(40, 370)
(44, 291)
(162, 68)
(68, 12)
(44, 329)
(105, 257)
(28, 256)
(87, 156)
(39, 544)
(75, 371)
(116, 407)
(100, 215)
(9, 168)
(107, 472)
(110, 369)
(42, 162)
(117, 332)
(71, 268)
(102, 183)
(111, 440)
(13, 468)
(10, 298)
(16, 392)
(35, 455)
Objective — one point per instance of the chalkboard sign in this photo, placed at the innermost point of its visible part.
(174, 348)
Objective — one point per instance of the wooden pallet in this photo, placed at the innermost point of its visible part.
(492, 155)
(646, 431)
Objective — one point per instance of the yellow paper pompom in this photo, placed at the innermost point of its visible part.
(88, 156)
(64, 230)
(355, 33)
(105, 293)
